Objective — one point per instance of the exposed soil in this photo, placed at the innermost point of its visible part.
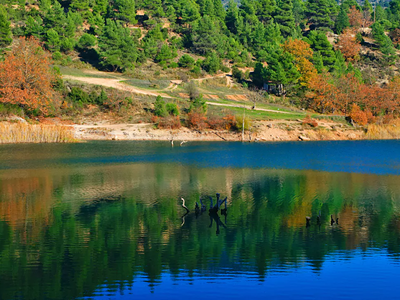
(277, 130)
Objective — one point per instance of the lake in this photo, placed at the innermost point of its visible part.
(103, 220)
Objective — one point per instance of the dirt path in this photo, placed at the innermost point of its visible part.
(115, 83)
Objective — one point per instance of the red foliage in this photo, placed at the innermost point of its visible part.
(348, 45)
(309, 121)
(27, 78)
(169, 122)
(356, 18)
(225, 123)
(197, 120)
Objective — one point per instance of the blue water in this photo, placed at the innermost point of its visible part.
(103, 220)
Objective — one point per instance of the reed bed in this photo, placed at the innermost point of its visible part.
(384, 131)
(26, 133)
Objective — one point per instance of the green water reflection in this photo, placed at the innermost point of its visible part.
(66, 231)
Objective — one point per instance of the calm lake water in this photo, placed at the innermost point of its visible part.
(102, 220)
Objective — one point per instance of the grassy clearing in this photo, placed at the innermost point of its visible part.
(25, 133)
(254, 114)
(148, 84)
(85, 73)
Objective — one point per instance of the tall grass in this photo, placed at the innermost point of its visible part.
(25, 133)
(384, 131)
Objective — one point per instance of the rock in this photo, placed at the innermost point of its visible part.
(303, 138)
(269, 126)
(19, 119)
(125, 133)
(352, 136)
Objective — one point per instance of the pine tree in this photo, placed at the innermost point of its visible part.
(265, 10)
(284, 17)
(126, 11)
(232, 17)
(117, 47)
(319, 14)
(298, 11)
(5, 30)
(339, 67)
(385, 44)
(320, 43)
(342, 21)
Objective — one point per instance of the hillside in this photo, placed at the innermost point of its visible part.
(200, 63)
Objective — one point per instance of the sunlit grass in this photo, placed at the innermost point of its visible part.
(25, 133)
(384, 131)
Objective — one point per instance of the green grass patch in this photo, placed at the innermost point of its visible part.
(85, 73)
(148, 84)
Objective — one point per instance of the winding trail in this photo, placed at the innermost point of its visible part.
(118, 84)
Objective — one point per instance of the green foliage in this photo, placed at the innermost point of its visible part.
(172, 109)
(342, 21)
(212, 63)
(117, 47)
(160, 109)
(86, 41)
(186, 61)
(319, 43)
(385, 44)
(5, 29)
(319, 14)
(284, 17)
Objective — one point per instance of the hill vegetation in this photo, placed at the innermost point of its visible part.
(314, 55)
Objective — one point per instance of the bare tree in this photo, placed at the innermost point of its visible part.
(256, 96)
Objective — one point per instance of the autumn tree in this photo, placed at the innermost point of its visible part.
(302, 54)
(355, 17)
(349, 45)
(27, 78)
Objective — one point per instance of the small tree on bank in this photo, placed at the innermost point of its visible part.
(27, 78)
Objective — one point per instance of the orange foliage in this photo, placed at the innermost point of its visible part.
(348, 45)
(197, 120)
(309, 121)
(26, 77)
(168, 122)
(395, 36)
(361, 101)
(356, 18)
(302, 54)
(226, 123)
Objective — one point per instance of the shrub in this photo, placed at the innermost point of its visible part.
(309, 121)
(173, 65)
(197, 120)
(160, 108)
(225, 123)
(186, 61)
(172, 109)
(240, 123)
(237, 74)
(78, 95)
(169, 122)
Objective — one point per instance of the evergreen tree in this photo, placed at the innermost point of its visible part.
(126, 11)
(265, 10)
(385, 44)
(368, 7)
(34, 26)
(318, 62)
(232, 17)
(319, 14)
(320, 43)
(5, 30)
(117, 47)
(284, 17)
(339, 67)
(298, 11)
(52, 40)
(342, 21)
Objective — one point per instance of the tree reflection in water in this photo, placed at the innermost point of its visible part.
(64, 233)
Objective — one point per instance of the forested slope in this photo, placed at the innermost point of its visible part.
(335, 59)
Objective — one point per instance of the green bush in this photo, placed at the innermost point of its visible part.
(160, 109)
(186, 61)
(172, 109)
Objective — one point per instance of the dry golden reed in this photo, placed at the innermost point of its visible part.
(384, 131)
(26, 133)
